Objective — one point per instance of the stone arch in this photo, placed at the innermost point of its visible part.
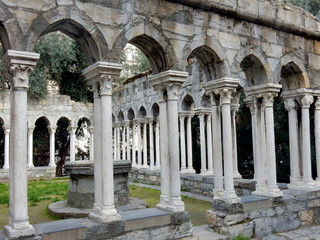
(187, 103)
(83, 30)
(153, 44)
(155, 110)
(4, 38)
(120, 116)
(113, 118)
(130, 115)
(205, 101)
(142, 113)
(35, 119)
(64, 118)
(252, 63)
(209, 52)
(41, 135)
(291, 72)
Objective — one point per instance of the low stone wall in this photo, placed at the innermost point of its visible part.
(33, 173)
(261, 216)
(194, 183)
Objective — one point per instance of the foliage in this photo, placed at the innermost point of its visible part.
(312, 6)
(241, 237)
(61, 60)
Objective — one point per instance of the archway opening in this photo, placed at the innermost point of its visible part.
(41, 143)
(62, 144)
(83, 139)
(254, 70)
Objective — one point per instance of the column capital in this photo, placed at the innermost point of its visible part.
(21, 64)
(268, 98)
(52, 130)
(90, 129)
(72, 129)
(262, 89)
(31, 129)
(209, 116)
(6, 129)
(290, 104)
(306, 101)
(317, 104)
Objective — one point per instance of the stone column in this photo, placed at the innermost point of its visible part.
(6, 146)
(225, 99)
(317, 136)
(145, 146)
(182, 144)
(118, 142)
(115, 141)
(91, 130)
(209, 144)
(134, 137)
(72, 132)
(124, 144)
(52, 132)
(128, 140)
(151, 143)
(234, 109)
(291, 106)
(306, 101)
(139, 145)
(167, 84)
(203, 145)
(20, 66)
(103, 74)
(189, 145)
(273, 189)
(30, 147)
(157, 131)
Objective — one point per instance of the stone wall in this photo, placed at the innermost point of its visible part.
(33, 173)
(261, 216)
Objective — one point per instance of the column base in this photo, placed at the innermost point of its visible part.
(268, 191)
(52, 165)
(28, 230)
(230, 197)
(175, 204)
(188, 171)
(204, 172)
(304, 185)
(237, 175)
(145, 166)
(218, 193)
(105, 214)
(30, 166)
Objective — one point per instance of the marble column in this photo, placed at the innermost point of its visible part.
(203, 144)
(115, 142)
(167, 85)
(157, 131)
(273, 188)
(189, 146)
(225, 100)
(151, 143)
(103, 74)
(291, 106)
(134, 138)
(306, 101)
(182, 144)
(118, 142)
(317, 136)
(128, 145)
(139, 165)
(30, 147)
(209, 144)
(20, 66)
(234, 109)
(124, 144)
(6, 146)
(72, 132)
(145, 146)
(91, 149)
(52, 132)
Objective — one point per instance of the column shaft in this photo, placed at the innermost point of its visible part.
(209, 145)
(124, 144)
(151, 144)
(128, 142)
(182, 144)
(30, 147)
(158, 157)
(306, 149)
(6, 147)
(52, 147)
(317, 135)
(72, 132)
(203, 145)
(145, 146)
(139, 144)
(189, 146)
(134, 137)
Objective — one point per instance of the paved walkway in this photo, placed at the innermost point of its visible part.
(305, 233)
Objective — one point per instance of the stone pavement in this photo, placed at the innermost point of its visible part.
(304, 233)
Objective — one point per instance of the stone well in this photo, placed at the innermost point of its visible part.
(81, 183)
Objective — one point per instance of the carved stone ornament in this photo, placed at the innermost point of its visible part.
(290, 104)
(306, 101)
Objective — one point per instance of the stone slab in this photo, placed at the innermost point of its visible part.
(252, 202)
(150, 217)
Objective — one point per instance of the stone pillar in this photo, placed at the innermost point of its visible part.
(209, 144)
(151, 143)
(182, 144)
(203, 145)
(139, 144)
(189, 145)
(124, 144)
(52, 132)
(167, 84)
(225, 99)
(234, 109)
(20, 66)
(91, 151)
(306, 101)
(6, 146)
(291, 106)
(317, 136)
(30, 147)
(145, 146)
(72, 132)
(157, 131)
(128, 140)
(115, 150)
(102, 74)
(134, 137)
(118, 142)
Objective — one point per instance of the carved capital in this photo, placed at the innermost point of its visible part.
(268, 99)
(72, 129)
(306, 101)
(106, 84)
(290, 104)
(90, 129)
(20, 76)
(172, 90)
(52, 130)
(317, 104)
(208, 118)
(250, 104)
(30, 130)
(6, 129)
(225, 95)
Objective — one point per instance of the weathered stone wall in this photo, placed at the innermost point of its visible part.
(33, 173)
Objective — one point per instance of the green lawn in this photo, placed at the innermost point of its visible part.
(42, 192)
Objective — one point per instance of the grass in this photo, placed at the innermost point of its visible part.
(241, 237)
(196, 208)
